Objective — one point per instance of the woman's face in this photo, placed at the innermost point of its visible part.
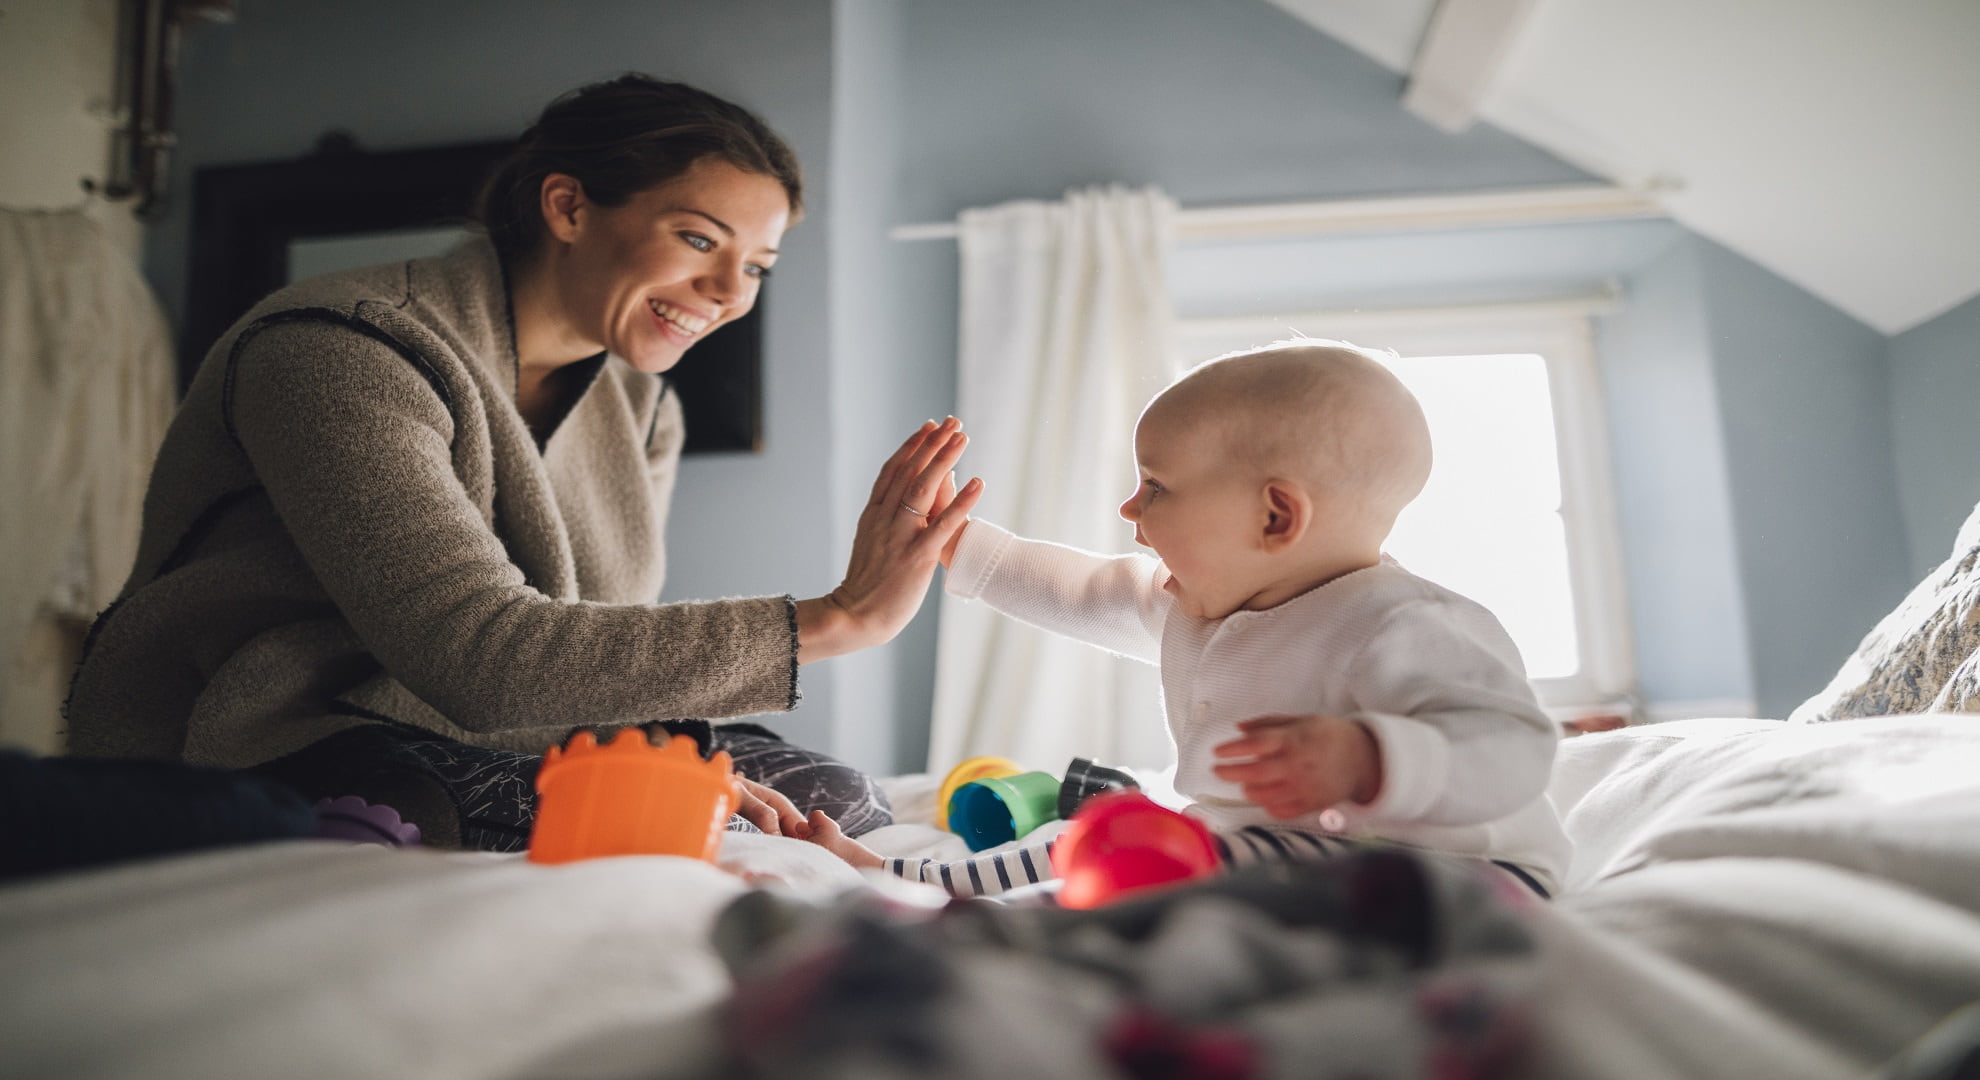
(648, 279)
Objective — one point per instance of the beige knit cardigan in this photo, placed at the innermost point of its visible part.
(349, 518)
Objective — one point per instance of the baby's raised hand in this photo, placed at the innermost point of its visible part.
(945, 495)
(1295, 765)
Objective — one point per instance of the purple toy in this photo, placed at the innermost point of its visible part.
(348, 817)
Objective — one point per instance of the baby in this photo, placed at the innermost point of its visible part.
(1316, 691)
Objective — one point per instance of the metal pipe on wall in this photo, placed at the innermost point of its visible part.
(147, 58)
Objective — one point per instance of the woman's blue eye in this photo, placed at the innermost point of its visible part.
(698, 242)
(757, 271)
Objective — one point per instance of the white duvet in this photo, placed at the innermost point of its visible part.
(1753, 898)
(1748, 898)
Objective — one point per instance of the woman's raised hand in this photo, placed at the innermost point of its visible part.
(907, 523)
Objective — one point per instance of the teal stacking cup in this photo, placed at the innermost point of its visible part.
(997, 810)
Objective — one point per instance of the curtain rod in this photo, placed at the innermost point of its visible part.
(1457, 210)
(1601, 301)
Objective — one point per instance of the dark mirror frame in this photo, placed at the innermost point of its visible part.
(246, 216)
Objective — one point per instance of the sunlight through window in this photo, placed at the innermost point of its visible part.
(1489, 522)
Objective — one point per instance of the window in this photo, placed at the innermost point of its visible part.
(1518, 512)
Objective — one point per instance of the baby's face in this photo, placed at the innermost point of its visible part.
(1198, 513)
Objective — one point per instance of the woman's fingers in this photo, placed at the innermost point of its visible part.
(784, 816)
(893, 556)
(943, 464)
(919, 474)
(912, 474)
(767, 808)
(923, 491)
(939, 455)
(752, 808)
(945, 493)
(884, 480)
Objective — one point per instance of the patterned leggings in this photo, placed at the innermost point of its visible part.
(997, 872)
(472, 797)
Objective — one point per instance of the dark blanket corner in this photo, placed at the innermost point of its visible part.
(1387, 963)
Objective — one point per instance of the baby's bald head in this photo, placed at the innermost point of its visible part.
(1325, 413)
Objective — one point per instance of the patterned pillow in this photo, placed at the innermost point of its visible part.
(1962, 691)
(1922, 657)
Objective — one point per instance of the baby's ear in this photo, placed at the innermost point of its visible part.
(1288, 514)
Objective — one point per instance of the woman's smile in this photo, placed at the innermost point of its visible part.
(678, 323)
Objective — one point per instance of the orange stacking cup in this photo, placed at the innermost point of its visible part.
(630, 798)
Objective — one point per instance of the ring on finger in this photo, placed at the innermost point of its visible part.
(912, 510)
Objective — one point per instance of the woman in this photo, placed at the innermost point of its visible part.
(406, 529)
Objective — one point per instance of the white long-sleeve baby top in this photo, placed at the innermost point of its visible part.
(1465, 747)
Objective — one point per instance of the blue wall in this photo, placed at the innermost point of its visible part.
(1935, 387)
(880, 388)
(1673, 494)
(1804, 402)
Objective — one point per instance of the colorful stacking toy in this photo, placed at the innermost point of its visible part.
(996, 810)
(971, 769)
(987, 801)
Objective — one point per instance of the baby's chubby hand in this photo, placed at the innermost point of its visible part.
(820, 829)
(1290, 766)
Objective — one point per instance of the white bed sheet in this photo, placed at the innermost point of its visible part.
(1755, 898)
(322, 959)
(1748, 899)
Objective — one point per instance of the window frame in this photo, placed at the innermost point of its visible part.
(1561, 333)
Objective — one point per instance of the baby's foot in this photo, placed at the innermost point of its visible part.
(820, 829)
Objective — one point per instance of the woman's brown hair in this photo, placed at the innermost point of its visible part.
(619, 138)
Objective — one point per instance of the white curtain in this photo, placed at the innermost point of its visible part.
(86, 391)
(1066, 331)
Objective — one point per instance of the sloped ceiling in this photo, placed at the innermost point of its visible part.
(1835, 142)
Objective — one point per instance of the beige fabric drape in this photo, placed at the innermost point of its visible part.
(1066, 332)
(86, 391)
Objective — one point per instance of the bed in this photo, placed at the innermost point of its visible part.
(1748, 898)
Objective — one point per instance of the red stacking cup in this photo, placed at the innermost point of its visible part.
(1124, 842)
